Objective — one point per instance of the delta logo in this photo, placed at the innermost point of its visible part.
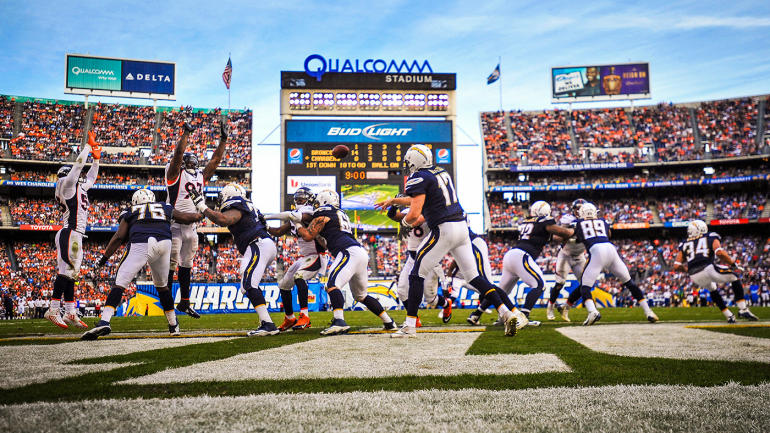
(443, 156)
(295, 155)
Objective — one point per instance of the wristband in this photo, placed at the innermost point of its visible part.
(406, 224)
(392, 211)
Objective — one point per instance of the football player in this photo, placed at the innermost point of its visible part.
(147, 226)
(183, 176)
(414, 236)
(519, 262)
(257, 248)
(594, 233)
(481, 257)
(700, 249)
(350, 261)
(72, 195)
(310, 264)
(431, 194)
(571, 257)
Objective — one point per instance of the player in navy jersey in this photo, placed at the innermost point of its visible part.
(571, 258)
(257, 248)
(146, 227)
(72, 195)
(594, 233)
(519, 263)
(700, 249)
(183, 176)
(430, 193)
(350, 261)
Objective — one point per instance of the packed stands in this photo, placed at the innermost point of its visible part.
(682, 209)
(124, 125)
(542, 138)
(50, 129)
(729, 126)
(607, 127)
(6, 117)
(667, 128)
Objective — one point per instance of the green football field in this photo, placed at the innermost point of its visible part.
(691, 371)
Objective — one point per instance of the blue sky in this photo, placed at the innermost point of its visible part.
(696, 49)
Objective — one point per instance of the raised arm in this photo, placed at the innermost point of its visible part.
(216, 158)
(93, 172)
(116, 241)
(313, 229)
(71, 179)
(175, 167)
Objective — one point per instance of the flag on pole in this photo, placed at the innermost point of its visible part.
(228, 73)
(495, 75)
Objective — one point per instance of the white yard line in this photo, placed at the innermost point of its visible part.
(669, 340)
(361, 356)
(24, 365)
(732, 407)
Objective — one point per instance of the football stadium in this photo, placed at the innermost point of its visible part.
(420, 217)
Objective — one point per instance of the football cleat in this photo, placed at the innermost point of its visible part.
(447, 313)
(173, 330)
(406, 331)
(652, 317)
(563, 309)
(303, 322)
(474, 318)
(265, 329)
(731, 320)
(549, 312)
(390, 326)
(184, 306)
(101, 329)
(287, 325)
(419, 324)
(592, 318)
(53, 315)
(73, 320)
(337, 327)
(748, 315)
(515, 321)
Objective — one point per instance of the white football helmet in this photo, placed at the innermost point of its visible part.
(588, 211)
(540, 209)
(696, 229)
(327, 197)
(142, 196)
(416, 157)
(231, 190)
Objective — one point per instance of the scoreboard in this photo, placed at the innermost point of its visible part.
(373, 170)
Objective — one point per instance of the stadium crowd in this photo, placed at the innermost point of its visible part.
(729, 126)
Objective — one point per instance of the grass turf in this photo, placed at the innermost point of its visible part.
(589, 368)
(747, 330)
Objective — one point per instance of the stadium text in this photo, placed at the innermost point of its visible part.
(366, 66)
(370, 131)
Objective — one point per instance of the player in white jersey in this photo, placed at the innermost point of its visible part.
(414, 237)
(72, 195)
(183, 176)
(572, 258)
(311, 263)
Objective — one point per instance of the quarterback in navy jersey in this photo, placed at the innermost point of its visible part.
(257, 248)
(594, 233)
(350, 261)
(519, 263)
(72, 195)
(431, 193)
(146, 229)
(700, 250)
(183, 176)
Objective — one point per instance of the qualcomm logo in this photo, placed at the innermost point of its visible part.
(78, 71)
(149, 77)
(371, 132)
(324, 65)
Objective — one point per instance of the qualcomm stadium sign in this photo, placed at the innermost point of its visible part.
(317, 65)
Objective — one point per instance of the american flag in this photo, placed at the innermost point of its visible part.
(228, 73)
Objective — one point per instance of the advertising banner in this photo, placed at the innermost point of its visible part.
(315, 183)
(729, 221)
(367, 131)
(103, 76)
(600, 82)
(107, 186)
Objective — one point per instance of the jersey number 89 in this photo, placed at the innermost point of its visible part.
(593, 228)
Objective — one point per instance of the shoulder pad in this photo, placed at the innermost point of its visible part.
(414, 180)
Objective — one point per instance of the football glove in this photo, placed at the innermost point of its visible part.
(96, 150)
(188, 127)
(223, 130)
(198, 200)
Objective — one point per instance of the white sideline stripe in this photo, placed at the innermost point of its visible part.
(361, 356)
(24, 365)
(666, 340)
(620, 408)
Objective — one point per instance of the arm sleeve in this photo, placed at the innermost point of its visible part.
(71, 179)
(416, 185)
(93, 172)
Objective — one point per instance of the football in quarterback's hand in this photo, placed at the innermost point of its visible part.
(340, 151)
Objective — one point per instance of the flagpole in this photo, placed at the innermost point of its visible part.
(229, 56)
(499, 61)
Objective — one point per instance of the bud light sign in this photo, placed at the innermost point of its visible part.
(295, 155)
(443, 156)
